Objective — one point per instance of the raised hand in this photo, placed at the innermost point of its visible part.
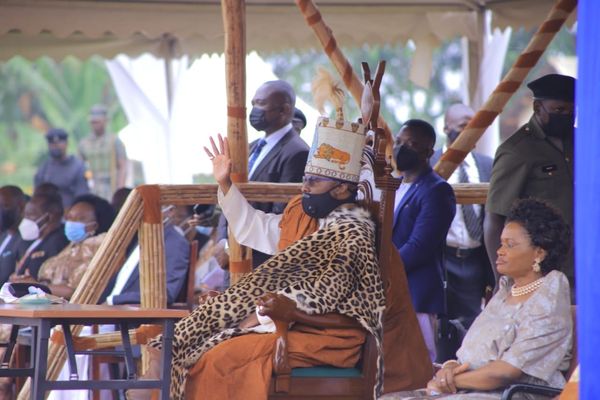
(221, 161)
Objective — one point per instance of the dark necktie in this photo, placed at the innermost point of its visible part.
(255, 152)
(472, 221)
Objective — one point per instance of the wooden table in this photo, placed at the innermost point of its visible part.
(43, 317)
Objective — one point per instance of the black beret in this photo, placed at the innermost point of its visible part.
(56, 135)
(299, 115)
(554, 87)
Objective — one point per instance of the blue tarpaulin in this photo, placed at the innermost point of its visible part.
(587, 197)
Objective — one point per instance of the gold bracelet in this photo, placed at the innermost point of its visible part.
(445, 364)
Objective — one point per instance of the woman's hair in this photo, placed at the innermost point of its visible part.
(104, 212)
(547, 229)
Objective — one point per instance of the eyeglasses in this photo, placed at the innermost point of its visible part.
(312, 180)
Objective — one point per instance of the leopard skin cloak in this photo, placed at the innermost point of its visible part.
(333, 270)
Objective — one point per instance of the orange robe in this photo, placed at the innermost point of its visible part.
(241, 368)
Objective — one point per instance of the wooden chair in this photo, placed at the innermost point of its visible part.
(358, 382)
(549, 391)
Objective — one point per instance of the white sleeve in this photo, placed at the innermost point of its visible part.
(250, 227)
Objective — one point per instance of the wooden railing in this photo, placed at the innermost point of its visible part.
(141, 213)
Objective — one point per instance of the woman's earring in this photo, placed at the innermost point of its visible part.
(536, 266)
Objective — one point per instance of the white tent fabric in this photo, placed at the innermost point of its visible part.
(140, 85)
(57, 28)
(169, 145)
(490, 73)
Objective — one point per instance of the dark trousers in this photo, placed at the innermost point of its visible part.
(469, 273)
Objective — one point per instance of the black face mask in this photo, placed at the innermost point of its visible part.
(56, 153)
(452, 135)
(258, 119)
(406, 159)
(560, 125)
(320, 205)
(7, 219)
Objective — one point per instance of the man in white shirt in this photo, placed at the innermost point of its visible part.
(466, 260)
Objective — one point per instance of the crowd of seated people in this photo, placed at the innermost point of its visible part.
(41, 243)
(85, 226)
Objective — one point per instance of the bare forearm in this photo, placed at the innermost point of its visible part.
(225, 185)
(494, 375)
(61, 291)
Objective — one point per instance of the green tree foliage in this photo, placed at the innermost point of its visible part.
(401, 99)
(43, 94)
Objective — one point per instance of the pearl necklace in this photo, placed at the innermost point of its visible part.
(523, 290)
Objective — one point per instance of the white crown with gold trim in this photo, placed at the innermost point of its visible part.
(336, 150)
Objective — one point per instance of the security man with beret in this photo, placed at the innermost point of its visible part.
(104, 154)
(536, 161)
(67, 172)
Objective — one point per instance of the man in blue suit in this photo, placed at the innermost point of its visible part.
(425, 207)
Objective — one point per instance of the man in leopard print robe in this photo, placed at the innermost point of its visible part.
(334, 270)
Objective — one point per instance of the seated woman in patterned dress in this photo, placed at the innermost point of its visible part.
(87, 222)
(525, 332)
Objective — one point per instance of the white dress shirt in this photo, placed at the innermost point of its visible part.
(271, 140)
(132, 261)
(400, 193)
(250, 227)
(458, 236)
(5, 242)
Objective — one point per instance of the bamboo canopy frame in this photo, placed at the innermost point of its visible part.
(486, 115)
(314, 19)
(234, 21)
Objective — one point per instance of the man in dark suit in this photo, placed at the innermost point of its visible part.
(126, 289)
(467, 265)
(12, 203)
(42, 232)
(280, 156)
(425, 207)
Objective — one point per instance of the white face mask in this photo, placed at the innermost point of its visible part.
(29, 230)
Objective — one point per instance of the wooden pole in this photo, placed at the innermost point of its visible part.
(153, 287)
(486, 115)
(325, 35)
(234, 21)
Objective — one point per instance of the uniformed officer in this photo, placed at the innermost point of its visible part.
(67, 172)
(105, 155)
(536, 161)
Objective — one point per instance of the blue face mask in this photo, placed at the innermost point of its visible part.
(75, 231)
(204, 230)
